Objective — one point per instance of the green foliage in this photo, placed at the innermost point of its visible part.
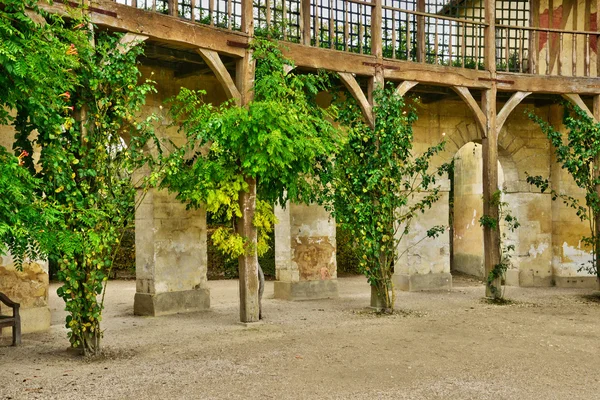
(279, 139)
(378, 186)
(509, 223)
(78, 93)
(578, 152)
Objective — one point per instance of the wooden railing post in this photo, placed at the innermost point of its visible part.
(598, 38)
(421, 46)
(534, 22)
(490, 36)
(247, 17)
(376, 30)
(305, 22)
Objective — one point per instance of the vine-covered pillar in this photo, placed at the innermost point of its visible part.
(491, 232)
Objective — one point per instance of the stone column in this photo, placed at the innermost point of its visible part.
(305, 250)
(425, 264)
(171, 258)
(29, 288)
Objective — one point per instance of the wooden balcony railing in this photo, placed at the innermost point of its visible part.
(409, 35)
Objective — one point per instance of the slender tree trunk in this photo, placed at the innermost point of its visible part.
(248, 262)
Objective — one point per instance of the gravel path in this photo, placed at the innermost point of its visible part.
(441, 345)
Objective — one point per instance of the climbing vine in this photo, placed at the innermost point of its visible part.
(377, 187)
(510, 224)
(578, 152)
(73, 96)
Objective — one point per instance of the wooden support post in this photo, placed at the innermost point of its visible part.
(376, 19)
(247, 17)
(363, 102)
(490, 36)
(248, 263)
(597, 38)
(421, 46)
(213, 60)
(596, 112)
(305, 21)
(491, 235)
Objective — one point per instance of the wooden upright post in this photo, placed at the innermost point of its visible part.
(596, 112)
(305, 22)
(491, 236)
(248, 263)
(421, 46)
(376, 31)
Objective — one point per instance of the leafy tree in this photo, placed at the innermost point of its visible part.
(35, 69)
(272, 148)
(76, 96)
(578, 152)
(378, 187)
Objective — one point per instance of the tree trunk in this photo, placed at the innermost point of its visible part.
(248, 262)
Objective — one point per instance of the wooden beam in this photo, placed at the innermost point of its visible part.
(509, 106)
(576, 99)
(467, 97)
(331, 60)
(354, 88)
(405, 86)
(213, 60)
(158, 27)
(130, 40)
(436, 74)
(547, 84)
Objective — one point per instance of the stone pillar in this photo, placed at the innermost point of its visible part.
(171, 258)
(305, 250)
(425, 265)
(468, 208)
(29, 288)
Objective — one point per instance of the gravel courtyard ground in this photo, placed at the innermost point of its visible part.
(441, 345)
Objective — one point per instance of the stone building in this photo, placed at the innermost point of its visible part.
(477, 66)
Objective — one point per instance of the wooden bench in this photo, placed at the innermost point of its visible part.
(8, 321)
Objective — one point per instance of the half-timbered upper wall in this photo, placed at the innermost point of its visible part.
(568, 53)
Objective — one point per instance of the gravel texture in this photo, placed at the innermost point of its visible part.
(439, 345)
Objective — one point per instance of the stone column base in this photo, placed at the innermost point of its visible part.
(416, 282)
(171, 302)
(306, 290)
(32, 320)
(578, 282)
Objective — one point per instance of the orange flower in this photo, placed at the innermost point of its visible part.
(66, 95)
(72, 50)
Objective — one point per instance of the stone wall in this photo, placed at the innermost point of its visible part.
(523, 149)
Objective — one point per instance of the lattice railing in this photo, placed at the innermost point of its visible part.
(441, 32)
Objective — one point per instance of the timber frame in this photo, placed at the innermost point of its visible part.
(213, 43)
